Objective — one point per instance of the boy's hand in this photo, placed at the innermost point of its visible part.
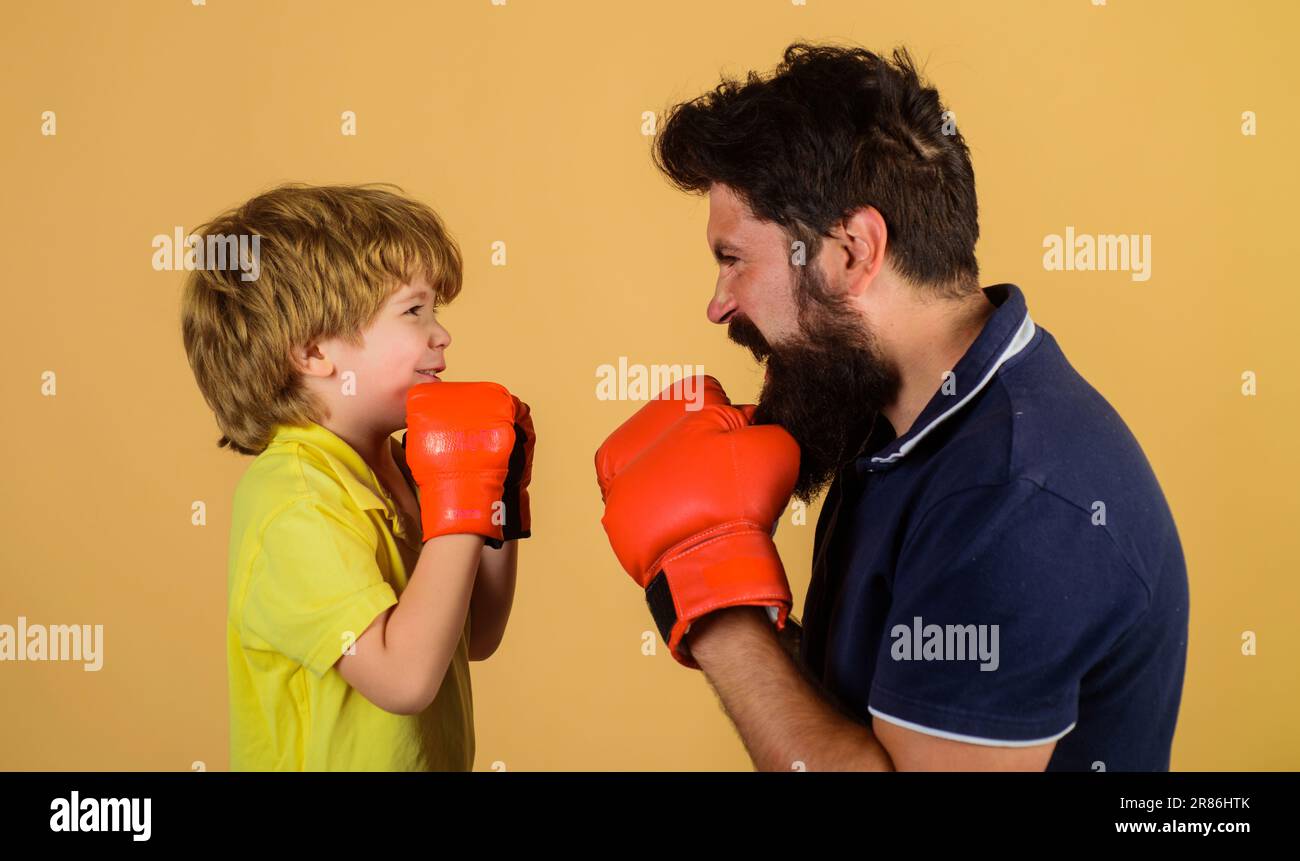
(460, 439)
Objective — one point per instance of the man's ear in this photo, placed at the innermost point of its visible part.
(312, 361)
(857, 251)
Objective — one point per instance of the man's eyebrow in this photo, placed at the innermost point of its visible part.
(721, 249)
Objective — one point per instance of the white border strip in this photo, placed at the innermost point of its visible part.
(968, 739)
(1019, 341)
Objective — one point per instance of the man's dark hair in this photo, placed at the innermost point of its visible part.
(835, 129)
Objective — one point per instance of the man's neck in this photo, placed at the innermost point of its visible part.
(925, 340)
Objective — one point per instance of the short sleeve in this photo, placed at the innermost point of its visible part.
(1004, 598)
(314, 579)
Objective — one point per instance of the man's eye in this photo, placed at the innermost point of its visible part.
(726, 258)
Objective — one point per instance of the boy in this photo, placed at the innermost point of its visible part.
(354, 606)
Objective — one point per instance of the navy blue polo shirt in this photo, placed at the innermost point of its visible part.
(1007, 572)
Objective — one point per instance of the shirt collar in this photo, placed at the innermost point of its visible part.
(352, 471)
(1007, 332)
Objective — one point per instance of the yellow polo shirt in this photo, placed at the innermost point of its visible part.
(318, 549)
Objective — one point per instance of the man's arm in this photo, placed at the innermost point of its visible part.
(786, 725)
(783, 722)
(494, 595)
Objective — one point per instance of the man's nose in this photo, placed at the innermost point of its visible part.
(722, 305)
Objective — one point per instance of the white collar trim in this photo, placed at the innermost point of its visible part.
(1019, 341)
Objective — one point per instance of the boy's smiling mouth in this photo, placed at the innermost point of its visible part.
(431, 373)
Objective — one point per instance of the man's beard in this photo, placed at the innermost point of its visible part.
(826, 387)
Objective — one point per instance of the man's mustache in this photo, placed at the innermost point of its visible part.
(742, 331)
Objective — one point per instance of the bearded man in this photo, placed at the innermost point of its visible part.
(997, 580)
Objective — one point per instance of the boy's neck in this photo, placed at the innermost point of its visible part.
(373, 446)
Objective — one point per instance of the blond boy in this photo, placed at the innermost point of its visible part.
(360, 586)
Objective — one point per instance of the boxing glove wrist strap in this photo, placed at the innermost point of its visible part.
(732, 565)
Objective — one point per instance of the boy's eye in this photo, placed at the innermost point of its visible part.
(415, 309)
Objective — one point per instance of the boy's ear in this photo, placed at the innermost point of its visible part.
(311, 361)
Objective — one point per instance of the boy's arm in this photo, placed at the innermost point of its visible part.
(401, 658)
(494, 594)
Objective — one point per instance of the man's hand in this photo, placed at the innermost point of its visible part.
(648, 424)
(690, 518)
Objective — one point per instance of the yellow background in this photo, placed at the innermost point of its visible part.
(522, 123)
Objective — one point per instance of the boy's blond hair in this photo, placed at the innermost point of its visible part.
(330, 257)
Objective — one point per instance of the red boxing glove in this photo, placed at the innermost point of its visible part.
(459, 443)
(691, 518)
(647, 424)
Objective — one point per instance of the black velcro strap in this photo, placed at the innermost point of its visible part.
(514, 477)
(662, 609)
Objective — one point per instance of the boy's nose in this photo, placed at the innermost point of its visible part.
(439, 337)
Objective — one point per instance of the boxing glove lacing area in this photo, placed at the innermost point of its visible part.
(514, 481)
